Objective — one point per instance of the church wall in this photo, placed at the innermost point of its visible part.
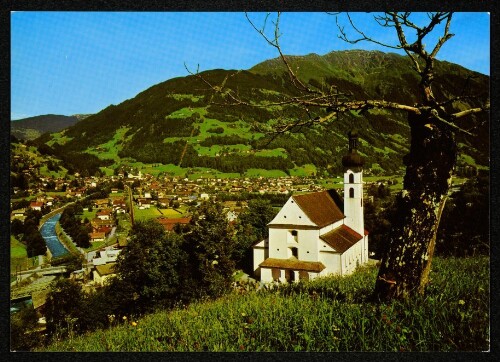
(352, 258)
(291, 214)
(259, 255)
(331, 261)
(266, 275)
(331, 227)
(308, 245)
(278, 243)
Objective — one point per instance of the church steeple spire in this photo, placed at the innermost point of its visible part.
(353, 185)
(352, 160)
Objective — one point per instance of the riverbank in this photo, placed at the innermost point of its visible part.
(65, 240)
(52, 213)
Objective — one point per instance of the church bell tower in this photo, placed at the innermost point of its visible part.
(353, 186)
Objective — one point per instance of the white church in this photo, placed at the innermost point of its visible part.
(319, 233)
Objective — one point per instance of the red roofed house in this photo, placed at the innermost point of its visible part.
(97, 237)
(104, 214)
(318, 233)
(169, 224)
(36, 205)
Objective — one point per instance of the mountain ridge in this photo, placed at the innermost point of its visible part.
(181, 120)
(33, 127)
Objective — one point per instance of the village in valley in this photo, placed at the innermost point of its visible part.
(111, 204)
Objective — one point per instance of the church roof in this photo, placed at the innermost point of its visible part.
(341, 238)
(293, 264)
(322, 208)
(352, 159)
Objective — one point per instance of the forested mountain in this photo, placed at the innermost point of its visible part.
(181, 122)
(33, 127)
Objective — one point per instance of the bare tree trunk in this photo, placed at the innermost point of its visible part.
(407, 259)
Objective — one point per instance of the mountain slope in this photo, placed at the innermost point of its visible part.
(33, 127)
(181, 122)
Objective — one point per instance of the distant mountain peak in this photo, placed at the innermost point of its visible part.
(32, 127)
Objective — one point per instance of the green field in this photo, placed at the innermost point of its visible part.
(17, 249)
(332, 183)
(19, 257)
(44, 171)
(156, 168)
(275, 152)
(192, 97)
(59, 138)
(145, 214)
(218, 149)
(187, 112)
(306, 170)
(110, 149)
(172, 214)
(257, 172)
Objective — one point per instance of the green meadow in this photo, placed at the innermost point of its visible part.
(327, 314)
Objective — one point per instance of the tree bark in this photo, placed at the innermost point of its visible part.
(406, 261)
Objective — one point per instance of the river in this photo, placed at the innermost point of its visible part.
(48, 231)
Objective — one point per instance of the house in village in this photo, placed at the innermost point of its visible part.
(36, 205)
(102, 273)
(101, 203)
(144, 203)
(97, 236)
(104, 214)
(169, 224)
(103, 264)
(119, 206)
(318, 233)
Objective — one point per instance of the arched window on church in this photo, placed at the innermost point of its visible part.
(351, 178)
(351, 192)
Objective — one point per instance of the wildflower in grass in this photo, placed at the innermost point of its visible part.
(124, 317)
(461, 302)
(134, 324)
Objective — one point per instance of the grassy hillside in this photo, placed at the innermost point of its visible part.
(329, 314)
(181, 123)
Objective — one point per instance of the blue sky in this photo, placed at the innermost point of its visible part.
(81, 62)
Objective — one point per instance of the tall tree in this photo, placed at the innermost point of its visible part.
(429, 165)
(64, 307)
(148, 267)
(210, 243)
